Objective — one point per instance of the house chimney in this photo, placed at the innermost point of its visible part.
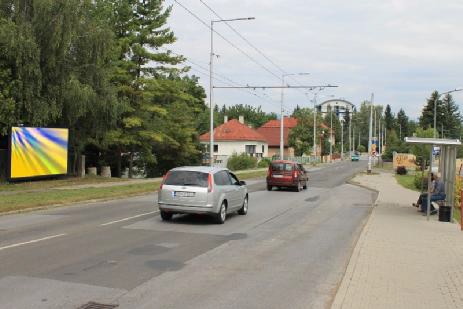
(241, 119)
(225, 119)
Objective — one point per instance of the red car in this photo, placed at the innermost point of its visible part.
(282, 173)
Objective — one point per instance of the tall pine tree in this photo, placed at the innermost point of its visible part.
(140, 27)
(427, 115)
(388, 118)
(451, 119)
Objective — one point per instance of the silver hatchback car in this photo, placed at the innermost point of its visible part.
(202, 190)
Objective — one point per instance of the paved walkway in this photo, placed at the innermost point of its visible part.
(401, 260)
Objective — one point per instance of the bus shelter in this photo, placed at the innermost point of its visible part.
(447, 166)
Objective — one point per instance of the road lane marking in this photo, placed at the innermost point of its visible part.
(30, 242)
(129, 218)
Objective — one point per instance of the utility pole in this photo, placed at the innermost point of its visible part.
(315, 125)
(380, 150)
(350, 136)
(211, 86)
(369, 134)
(331, 134)
(211, 101)
(342, 139)
(282, 147)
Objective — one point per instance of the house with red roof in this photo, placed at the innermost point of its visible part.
(271, 131)
(235, 136)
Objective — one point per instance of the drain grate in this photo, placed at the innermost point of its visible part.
(93, 305)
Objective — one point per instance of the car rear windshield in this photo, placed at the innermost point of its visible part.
(187, 178)
(279, 167)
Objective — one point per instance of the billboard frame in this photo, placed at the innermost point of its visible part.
(40, 177)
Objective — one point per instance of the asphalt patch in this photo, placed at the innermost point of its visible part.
(164, 265)
(149, 250)
(313, 199)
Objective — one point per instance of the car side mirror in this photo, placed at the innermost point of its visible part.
(242, 183)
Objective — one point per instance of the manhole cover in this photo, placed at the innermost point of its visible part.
(93, 305)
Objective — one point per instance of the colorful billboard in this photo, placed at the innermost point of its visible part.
(36, 152)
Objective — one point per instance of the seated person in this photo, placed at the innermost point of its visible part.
(437, 194)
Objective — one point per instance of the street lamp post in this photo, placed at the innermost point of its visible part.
(342, 139)
(282, 147)
(211, 85)
(369, 134)
(331, 133)
(435, 105)
(315, 122)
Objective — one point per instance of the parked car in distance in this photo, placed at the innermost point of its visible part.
(283, 173)
(355, 156)
(202, 190)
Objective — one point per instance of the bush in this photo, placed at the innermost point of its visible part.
(361, 148)
(265, 162)
(401, 170)
(387, 154)
(241, 162)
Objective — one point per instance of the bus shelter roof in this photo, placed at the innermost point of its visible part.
(433, 141)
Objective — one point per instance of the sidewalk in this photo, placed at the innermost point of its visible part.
(401, 260)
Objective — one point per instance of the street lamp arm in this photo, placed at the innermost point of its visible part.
(232, 19)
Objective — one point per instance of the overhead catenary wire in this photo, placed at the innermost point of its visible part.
(230, 84)
(227, 40)
(254, 47)
(204, 23)
(203, 70)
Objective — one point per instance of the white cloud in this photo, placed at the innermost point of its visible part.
(401, 50)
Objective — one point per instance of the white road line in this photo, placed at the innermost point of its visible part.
(129, 218)
(30, 242)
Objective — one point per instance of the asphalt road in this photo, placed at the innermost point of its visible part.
(291, 250)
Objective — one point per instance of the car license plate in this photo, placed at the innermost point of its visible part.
(277, 176)
(183, 194)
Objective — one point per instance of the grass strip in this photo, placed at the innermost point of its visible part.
(55, 183)
(25, 200)
(250, 175)
(407, 181)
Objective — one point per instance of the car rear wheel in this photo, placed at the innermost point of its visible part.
(166, 216)
(244, 209)
(222, 215)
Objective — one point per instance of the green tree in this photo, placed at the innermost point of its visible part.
(450, 125)
(402, 124)
(20, 76)
(422, 152)
(140, 28)
(301, 137)
(253, 116)
(388, 118)
(427, 114)
(360, 123)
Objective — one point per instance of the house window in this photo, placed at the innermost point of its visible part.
(250, 149)
(216, 148)
(263, 148)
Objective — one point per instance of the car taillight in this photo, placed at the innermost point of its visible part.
(163, 180)
(209, 183)
(295, 174)
(268, 173)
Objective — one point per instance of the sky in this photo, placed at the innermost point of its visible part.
(399, 50)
